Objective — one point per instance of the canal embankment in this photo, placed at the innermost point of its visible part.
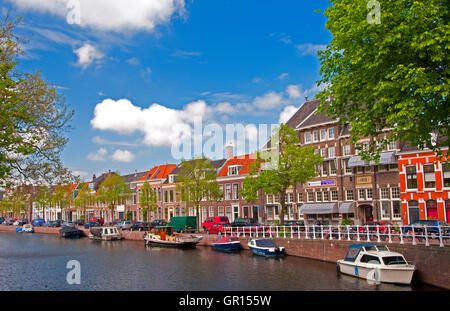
(432, 262)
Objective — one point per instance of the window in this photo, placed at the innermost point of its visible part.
(323, 152)
(221, 211)
(369, 194)
(384, 193)
(227, 192)
(370, 259)
(307, 137)
(411, 177)
(348, 170)
(310, 196)
(361, 194)
(396, 210)
(385, 209)
(334, 195)
(326, 196)
(171, 196)
(349, 195)
(315, 136)
(228, 212)
(331, 133)
(270, 212)
(393, 167)
(446, 175)
(332, 167)
(331, 152)
(290, 197)
(324, 168)
(347, 150)
(319, 196)
(382, 168)
(323, 135)
(361, 147)
(211, 211)
(428, 176)
(395, 192)
(235, 192)
(392, 145)
(300, 197)
(233, 170)
(270, 198)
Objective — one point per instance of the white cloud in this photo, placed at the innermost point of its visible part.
(268, 101)
(283, 76)
(287, 113)
(133, 61)
(225, 108)
(122, 156)
(186, 54)
(309, 49)
(99, 155)
(294, 91)
(88, 54)
(121, 16)
(101, 141)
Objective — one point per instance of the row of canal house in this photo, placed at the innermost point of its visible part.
(405, 185)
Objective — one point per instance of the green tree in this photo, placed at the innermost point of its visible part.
(43, 197)
(62, 197)
(293, 164)
(147, 199)
(83, 197)
(197, 182)
(388, 75)
(33, 118)
(113, 191)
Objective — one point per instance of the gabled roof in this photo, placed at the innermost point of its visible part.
(159, 172)
(134, 177)
(244, 161)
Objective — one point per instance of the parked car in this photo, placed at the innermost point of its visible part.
(295, 224)
(124, 225)
(241, 222)
(9, 222)
(38, 222)
(433, 227)
(158, 223)
(372, 226)
(91, 224)
(79, 222)
(55, 223)
(2, 220)
(140, 226)
(67, 224)
(20, 222)
(219, 228)
(98, 220)
(206, 225)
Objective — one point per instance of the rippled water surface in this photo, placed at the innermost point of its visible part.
(38, 262)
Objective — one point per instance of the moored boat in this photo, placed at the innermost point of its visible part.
(70, 233)
(27, 228)
(163, 236)
(377, 263)
(226, 244)
(266, 247)
(105, 233)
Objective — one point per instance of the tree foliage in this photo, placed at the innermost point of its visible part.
(147, 199)
(294, 164)
(113, 191)
(389, 75)
(34, 118)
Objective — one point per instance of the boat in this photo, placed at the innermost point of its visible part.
(375, 262)
(163, 236)
(226, 244)
(266, 247)
(69, 232)
(25, 229)
(105, 233)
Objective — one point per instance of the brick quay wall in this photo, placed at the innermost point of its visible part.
(432, 262)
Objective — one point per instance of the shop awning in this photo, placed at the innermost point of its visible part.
(385, 159)
(319, 208)
(346, 208)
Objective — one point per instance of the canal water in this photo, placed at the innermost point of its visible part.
(38, 262)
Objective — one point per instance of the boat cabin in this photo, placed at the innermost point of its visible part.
(164, 232)
(373, 254)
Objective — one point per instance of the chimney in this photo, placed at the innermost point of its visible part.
(306, 98)
(229, 150)
(93, 177)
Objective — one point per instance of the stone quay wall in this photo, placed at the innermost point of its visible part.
(432, 262)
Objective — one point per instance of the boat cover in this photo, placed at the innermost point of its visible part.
(68, 229)
(353, 251)
(265, 243)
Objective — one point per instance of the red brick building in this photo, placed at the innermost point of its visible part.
(424, 185)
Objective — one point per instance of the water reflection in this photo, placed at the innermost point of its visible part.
(38, 262)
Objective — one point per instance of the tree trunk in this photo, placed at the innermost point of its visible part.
(283, 206)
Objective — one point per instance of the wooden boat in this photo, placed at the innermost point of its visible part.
(163, 236)
(226, 244)
(376, 263)
(70, 233)
(105, 233)
(266, 247)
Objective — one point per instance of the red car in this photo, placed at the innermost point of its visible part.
(219, 228)
(372, 226)
(210, 221)
(98, 220)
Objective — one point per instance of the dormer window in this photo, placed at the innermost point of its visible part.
(234, 170)
(172, 179)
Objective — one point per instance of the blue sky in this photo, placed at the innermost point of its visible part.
(136, 77)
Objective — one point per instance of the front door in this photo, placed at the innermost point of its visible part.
(255, 212)
(414, 214)
(368, 213)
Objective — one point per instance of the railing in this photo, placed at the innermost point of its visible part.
(423, 235)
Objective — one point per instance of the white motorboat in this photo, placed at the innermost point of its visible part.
(105, 233)
(376, 263)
